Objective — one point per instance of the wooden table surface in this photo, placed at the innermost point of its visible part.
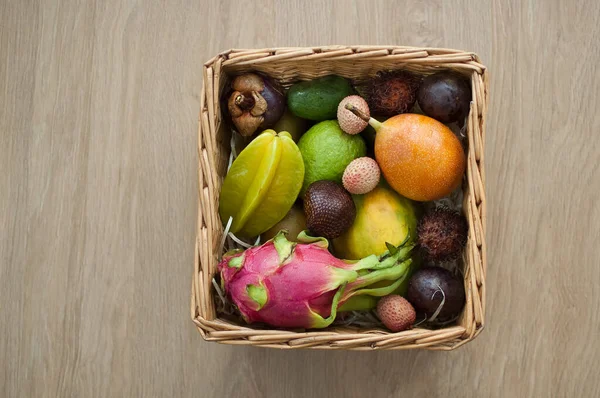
(99, 103)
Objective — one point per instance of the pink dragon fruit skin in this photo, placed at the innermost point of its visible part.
(301, 285)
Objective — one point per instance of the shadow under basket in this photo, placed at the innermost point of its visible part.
(358, 63)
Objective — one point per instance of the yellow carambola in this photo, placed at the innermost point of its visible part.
(262, 184)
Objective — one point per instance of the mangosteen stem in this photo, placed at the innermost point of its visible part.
(244, 102)
(374, 123)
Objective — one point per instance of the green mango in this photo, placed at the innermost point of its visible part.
(292, 124)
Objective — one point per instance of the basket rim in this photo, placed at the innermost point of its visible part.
(356, 49)
(203, 313)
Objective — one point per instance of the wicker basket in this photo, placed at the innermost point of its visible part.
(357, 63)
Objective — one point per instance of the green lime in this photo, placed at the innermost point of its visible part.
(326, 151)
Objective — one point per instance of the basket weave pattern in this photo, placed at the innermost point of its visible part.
(358, 63)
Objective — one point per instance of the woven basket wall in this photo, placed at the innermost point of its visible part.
(358, 63)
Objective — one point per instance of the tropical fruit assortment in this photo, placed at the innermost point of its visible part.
(334, 201)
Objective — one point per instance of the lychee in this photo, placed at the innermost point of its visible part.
(348, 121)
(442, 234)
(396, 313)
(361, 176)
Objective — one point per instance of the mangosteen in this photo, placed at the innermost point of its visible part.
(437, 293)
(445, 96)
(255, 102)
(329, 209)
(442, 234)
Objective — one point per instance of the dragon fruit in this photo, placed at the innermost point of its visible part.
(301, 285)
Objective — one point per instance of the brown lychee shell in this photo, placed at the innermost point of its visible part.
(442, 234)
(392, 93)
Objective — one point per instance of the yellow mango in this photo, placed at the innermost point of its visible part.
(381, 216)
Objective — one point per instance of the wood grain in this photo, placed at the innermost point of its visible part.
(98, 120)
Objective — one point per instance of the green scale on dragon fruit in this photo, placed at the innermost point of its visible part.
(301, 285)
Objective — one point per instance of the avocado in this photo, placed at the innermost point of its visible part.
(318, 99)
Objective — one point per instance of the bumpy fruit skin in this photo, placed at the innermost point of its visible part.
(419, 157)
(442, 234)
(396, 313)
(348, 121)
(301, 285)
(361, 176)
(391, 93)
(329, 209)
